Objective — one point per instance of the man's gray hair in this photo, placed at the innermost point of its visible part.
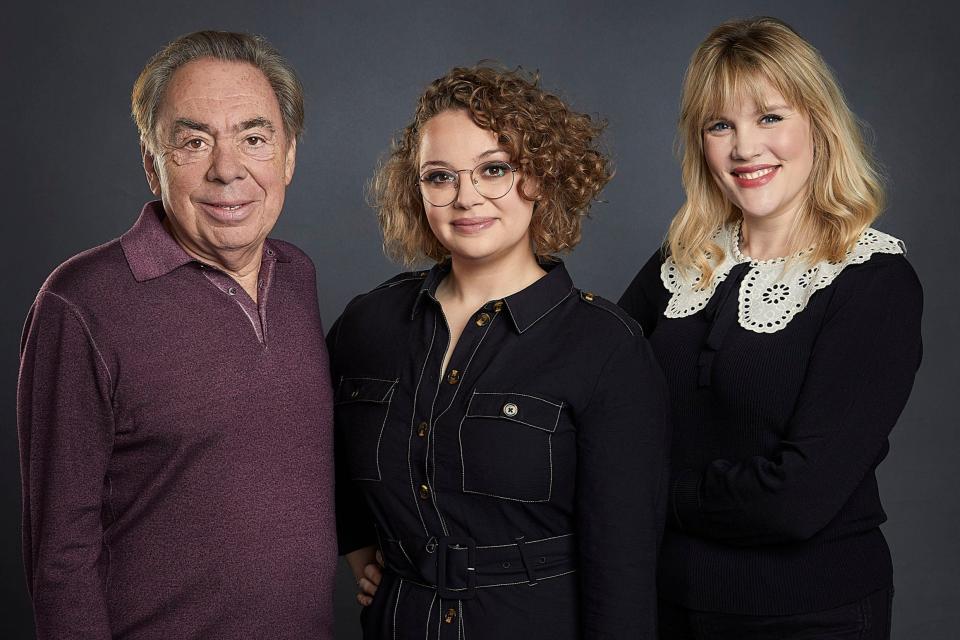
(152, 82)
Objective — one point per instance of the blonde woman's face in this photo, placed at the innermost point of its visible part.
(472, 227)
(761, 159)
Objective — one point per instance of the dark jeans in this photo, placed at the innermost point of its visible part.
(866, 619)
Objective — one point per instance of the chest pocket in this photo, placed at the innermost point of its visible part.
(505, 446)
(361, 407)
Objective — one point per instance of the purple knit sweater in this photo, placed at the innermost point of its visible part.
(175, 445)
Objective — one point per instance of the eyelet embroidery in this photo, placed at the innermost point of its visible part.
(773, 291)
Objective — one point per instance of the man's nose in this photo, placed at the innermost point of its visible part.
(226, 164)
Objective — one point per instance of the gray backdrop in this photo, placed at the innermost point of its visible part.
(72, 165)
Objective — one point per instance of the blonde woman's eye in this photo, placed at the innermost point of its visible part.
(718, 127)
(771, 118)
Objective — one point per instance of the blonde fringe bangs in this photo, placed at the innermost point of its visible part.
(845, 194)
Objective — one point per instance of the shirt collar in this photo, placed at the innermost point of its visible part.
(524, 308)
(152, 252)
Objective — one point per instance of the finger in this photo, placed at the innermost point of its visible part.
(363, 600)
(379, 557)
(372, 573)
(367, 587)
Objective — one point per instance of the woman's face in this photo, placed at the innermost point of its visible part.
(761, 160)
(472, 227)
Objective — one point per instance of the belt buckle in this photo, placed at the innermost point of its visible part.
(459, 545)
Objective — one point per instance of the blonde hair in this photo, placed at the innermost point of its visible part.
(552, 145)
(845, 194)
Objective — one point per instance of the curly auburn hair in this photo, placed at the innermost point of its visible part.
(549, 143)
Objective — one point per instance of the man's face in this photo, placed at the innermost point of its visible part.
(220, 160)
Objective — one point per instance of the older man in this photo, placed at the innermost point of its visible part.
(174, 405)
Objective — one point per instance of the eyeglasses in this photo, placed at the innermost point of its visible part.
(492, 180)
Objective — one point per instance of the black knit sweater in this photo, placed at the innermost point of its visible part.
(774, 502)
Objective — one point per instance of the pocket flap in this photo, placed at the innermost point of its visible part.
(364, 390)
(517, 407)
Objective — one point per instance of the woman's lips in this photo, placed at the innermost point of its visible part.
(470, 226)
(227, 211)
(749, 177)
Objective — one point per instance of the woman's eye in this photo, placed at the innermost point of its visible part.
(495, 170)
(439, 177)
(770, 118)
(717, 127)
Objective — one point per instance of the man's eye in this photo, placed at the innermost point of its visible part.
(195, 144)
(255, 141)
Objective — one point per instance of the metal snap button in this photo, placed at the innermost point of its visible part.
(510, 410)
(451, 615)
(424, 491)
(232, 291)
(497, 306)
(422, 429)
(454, 376)
(483, 319)
(587, 296)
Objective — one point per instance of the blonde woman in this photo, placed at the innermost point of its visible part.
(789, 333)
(500, 433)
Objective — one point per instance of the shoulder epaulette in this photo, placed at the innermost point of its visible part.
(401, 278)
(602, 303)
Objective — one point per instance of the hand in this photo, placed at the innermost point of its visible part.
(369, 581)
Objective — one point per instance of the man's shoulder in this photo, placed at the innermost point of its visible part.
(89, 274)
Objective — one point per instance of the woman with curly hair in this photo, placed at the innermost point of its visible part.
(500, 433)
(789, 333)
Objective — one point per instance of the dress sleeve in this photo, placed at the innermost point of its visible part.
(355, 528)
(857, 382)
(645, 297)
(621, 494)
(65, 424)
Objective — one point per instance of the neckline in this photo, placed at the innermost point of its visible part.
(741, 257)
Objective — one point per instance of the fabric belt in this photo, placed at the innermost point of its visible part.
(457, 566)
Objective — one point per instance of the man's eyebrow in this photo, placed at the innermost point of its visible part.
(253, 123)
(185, 123)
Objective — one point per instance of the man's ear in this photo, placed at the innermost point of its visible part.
(290, 161)
(150, 168)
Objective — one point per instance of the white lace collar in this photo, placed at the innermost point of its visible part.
(773, 291)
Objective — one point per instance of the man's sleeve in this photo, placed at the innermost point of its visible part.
(65, 424)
